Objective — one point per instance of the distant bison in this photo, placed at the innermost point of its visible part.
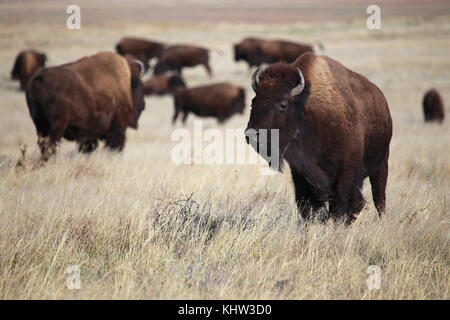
(163, 84)
(258, 51)
(334, 131)
(433, 106)
(176, 57)
(27, 62)
(217, 100)
(141, 49)
(93, 98)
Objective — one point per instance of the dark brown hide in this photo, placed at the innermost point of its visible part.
(87, 100)
(218, 100)
(175, 58)
(27, 62)
(333, 134)
(433, 106)
(258, 51)
(141, 49)
(163, 84)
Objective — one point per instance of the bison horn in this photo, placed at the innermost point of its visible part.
(141, 64)
(301, 85)
(255, 80)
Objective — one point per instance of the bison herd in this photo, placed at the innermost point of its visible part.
(334, 124)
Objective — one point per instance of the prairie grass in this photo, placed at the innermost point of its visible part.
(140, 227)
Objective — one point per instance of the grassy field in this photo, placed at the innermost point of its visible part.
(139, 226)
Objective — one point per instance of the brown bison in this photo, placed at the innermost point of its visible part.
(27, 62)
(176, 57)
(433, 106)
(93, 98)
(258, 51)
(163, 84)
(141, 49)
(334, 131)
(220, 100)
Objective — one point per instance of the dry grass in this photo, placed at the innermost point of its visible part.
(140, 227)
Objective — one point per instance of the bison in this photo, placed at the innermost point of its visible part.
(334, 131)
(220, 100)
(94, 98)
(27, 62)
(163, 84)
(176, 57)
(433, 106)
(141, 49)
(258, 51)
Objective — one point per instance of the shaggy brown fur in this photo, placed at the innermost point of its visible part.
(258, 51)
(433, 106)
(220, 100)
(163, 84)
(87, 100)
(27, 62)
(333, 135)
(141, 49)
(177, 57)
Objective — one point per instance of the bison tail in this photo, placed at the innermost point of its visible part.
(31, 105)
(30, 100)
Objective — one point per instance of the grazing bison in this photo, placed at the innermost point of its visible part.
(334, 131)
(27, 62)
(220, 100)
(433, 106)
(163, 84)
(176, 57)
(93, 98)
(141, 49)
(258, 51)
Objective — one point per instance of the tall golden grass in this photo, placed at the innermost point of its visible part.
(139, 226)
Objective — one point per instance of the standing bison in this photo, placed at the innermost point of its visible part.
(334, 131)
(93, 98)
(141, 49)
(176, 57)
(220, 100)
(163, 84)
(258, 51)
(433, 106)
(27, 62)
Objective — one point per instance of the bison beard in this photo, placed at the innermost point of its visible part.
(94, 98)
(334, 130)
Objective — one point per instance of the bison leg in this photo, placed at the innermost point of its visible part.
(304, 196)
(47, 144)
(378, 181)
(87, 146)
(185, 114)
(348, 200)
(208, 68)
(115, 138)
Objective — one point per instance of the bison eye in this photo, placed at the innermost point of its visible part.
(282, 106)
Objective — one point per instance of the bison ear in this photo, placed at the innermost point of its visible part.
(255, 80)
(300, 86)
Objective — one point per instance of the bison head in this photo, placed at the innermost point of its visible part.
(238, 54)
(281, 94)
